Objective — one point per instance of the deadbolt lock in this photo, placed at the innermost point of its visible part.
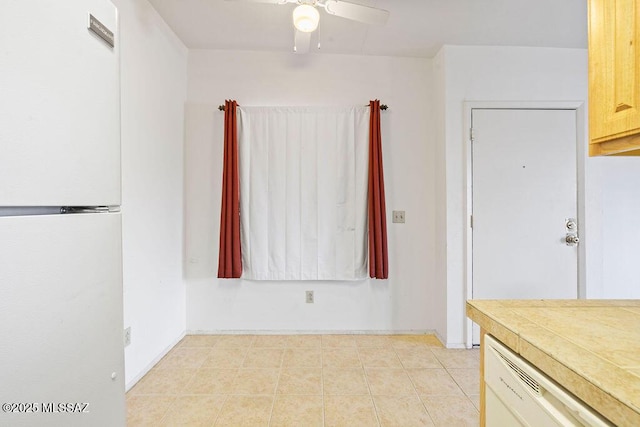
(571, 224)
(572, 239)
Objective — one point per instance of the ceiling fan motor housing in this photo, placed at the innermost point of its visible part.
(306, 18)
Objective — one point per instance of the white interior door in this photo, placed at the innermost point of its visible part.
(61, 318)
(524, 190)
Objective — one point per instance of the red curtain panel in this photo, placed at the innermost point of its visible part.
(378, 254)
(230, 256)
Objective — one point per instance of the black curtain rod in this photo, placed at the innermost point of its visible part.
(382, 107)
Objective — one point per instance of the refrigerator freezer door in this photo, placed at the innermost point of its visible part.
(59, 104)
(61, 319)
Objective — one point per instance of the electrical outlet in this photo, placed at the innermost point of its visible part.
(309, 297)
(127, 336)
(398, 217)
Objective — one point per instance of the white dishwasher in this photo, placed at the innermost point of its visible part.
(518, 394)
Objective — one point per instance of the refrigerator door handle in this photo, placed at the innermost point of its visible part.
(86, 209)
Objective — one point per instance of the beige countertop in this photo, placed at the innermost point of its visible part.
(591, 347)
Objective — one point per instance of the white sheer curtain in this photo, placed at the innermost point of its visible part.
(303, 192)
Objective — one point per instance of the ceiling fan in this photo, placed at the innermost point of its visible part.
(306, 16)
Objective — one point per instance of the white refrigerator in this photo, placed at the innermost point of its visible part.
(61, 326)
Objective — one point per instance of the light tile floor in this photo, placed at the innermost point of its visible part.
(309, 380)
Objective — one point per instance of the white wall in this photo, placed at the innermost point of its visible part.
(154, 83)
(440, 295)
(405, 301)
(621, 228)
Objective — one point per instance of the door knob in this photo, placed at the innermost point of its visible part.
(572, 239)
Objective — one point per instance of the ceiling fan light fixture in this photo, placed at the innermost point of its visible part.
(306, 18)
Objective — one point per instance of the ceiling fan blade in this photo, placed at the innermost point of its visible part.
(357, 12)
(302, 42)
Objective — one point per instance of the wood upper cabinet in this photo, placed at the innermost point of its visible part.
(614, 77)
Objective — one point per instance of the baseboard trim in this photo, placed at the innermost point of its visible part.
(442, 341)
(153, 363)
(314, 332)
(455, 345)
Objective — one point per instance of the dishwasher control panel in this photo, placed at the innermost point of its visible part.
(518, 394)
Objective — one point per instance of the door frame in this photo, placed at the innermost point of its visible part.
(581, 155)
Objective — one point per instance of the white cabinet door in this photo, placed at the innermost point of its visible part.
(59, 104)
(61, 318)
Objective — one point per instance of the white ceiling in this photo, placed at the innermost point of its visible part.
(415, 27)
